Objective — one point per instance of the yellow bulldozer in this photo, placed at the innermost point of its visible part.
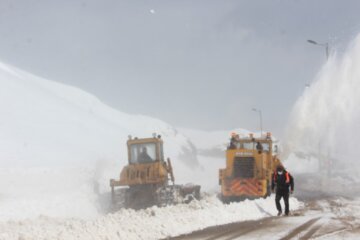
(250, 163)
(148, 179)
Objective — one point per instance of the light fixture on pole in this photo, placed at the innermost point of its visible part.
(260, 116)
(326, 45)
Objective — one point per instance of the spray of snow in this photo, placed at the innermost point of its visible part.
(325, 121)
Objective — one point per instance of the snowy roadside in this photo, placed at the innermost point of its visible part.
(151, 223)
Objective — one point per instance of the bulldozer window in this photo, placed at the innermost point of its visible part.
(143, 153)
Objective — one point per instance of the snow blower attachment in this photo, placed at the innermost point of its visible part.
(148, 179)
(250, 163)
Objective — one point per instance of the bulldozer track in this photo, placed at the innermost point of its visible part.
(297, 231)
(329, 233)
(310, 233)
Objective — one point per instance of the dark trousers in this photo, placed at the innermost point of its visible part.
(285, 196)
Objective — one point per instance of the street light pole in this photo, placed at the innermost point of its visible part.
(261, 121)
(326, 45)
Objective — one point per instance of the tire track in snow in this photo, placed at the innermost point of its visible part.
(303, 227)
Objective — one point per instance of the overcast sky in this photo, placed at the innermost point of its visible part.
(196, 64)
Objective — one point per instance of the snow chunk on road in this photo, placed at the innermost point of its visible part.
(151, 223)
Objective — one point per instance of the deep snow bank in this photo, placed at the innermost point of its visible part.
(56, 191)
(151, 223)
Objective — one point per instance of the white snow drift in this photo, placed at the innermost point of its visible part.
(151, 223)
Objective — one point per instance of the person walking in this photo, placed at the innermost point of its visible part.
(284, 183)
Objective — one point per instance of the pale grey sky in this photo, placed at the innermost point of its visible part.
(196, 64)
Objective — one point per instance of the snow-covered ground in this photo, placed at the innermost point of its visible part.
(151, 223)
(331, 218)
(56, 191)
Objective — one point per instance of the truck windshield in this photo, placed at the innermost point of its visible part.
(143, 153)
(252, 146)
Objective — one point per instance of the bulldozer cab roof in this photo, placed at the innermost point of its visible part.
(144, 140)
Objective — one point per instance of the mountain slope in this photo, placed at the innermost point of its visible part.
(44, 122)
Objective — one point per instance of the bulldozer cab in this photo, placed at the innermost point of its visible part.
(145, 150)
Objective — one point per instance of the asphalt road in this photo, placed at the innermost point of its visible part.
(334, 218)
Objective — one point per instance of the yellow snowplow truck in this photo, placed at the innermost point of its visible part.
(250, 163)
(148, 179)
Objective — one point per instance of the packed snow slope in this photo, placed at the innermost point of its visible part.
(44, 122)
(325, 121)
(59, 146)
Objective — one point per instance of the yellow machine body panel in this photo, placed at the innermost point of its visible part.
(145, 173)
(249, 166)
